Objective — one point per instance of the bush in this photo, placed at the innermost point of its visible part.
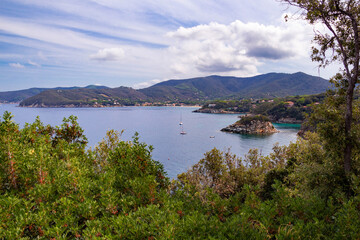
(51, 187)
(246, 120)
(225, 174)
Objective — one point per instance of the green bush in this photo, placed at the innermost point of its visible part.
(51, 187)
(247, 119)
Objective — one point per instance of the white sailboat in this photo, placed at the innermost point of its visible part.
(182, 132)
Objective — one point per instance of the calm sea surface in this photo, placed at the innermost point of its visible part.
(159, 126)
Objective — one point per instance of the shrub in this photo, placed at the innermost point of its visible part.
(51, 187)
(247, 119)
(226, 174)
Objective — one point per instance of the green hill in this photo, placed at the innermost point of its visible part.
(213, 87)
(85, 97)
(18, 96)
(194, 89)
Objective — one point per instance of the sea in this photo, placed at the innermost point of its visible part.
(160, 127)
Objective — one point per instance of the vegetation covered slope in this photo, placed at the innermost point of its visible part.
(267, 85)
(85, 97)
(18, 96)
(196, 89)
(291, 109)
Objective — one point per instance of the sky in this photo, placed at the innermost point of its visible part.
(138, 43)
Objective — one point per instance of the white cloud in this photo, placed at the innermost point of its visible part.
(238, 48)
(34, 63)
(108, 54)
(16, 65)
(146, 84)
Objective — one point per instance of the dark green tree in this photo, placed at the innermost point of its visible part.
(341, 43)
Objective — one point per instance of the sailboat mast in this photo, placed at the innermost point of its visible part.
(182, 132)
(181, 123)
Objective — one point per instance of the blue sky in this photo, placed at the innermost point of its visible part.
(45, 43)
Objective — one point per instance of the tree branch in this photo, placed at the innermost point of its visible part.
(343, 52)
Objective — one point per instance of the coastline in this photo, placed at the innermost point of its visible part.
(279, 121)
(215, 111)
(102, 106)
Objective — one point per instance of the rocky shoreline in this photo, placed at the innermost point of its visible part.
(254, 127)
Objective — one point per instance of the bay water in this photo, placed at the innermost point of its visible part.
(159, 127)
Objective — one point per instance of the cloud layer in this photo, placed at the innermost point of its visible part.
(236, 48)
(130, 43)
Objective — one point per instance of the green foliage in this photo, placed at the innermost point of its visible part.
(51, 187)
(240, 106)
(328, 120)
(247, 119)
(294, 107)
(225, 174)
(341, 19)
(280, 108)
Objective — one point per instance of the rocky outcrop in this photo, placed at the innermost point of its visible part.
(254, 127)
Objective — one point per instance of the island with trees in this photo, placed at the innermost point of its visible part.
(252, 124)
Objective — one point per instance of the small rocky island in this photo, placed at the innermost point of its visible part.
(252, 124)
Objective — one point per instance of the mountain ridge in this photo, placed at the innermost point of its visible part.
(19, 95)
(265, 85)
(184, 90)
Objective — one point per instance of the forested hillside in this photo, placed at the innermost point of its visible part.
(292, 109)
(189, 91)
(85, 97)
(18, 96)
(266, 85)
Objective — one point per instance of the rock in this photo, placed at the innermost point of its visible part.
(254, 127)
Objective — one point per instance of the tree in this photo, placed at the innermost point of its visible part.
(342, 19)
